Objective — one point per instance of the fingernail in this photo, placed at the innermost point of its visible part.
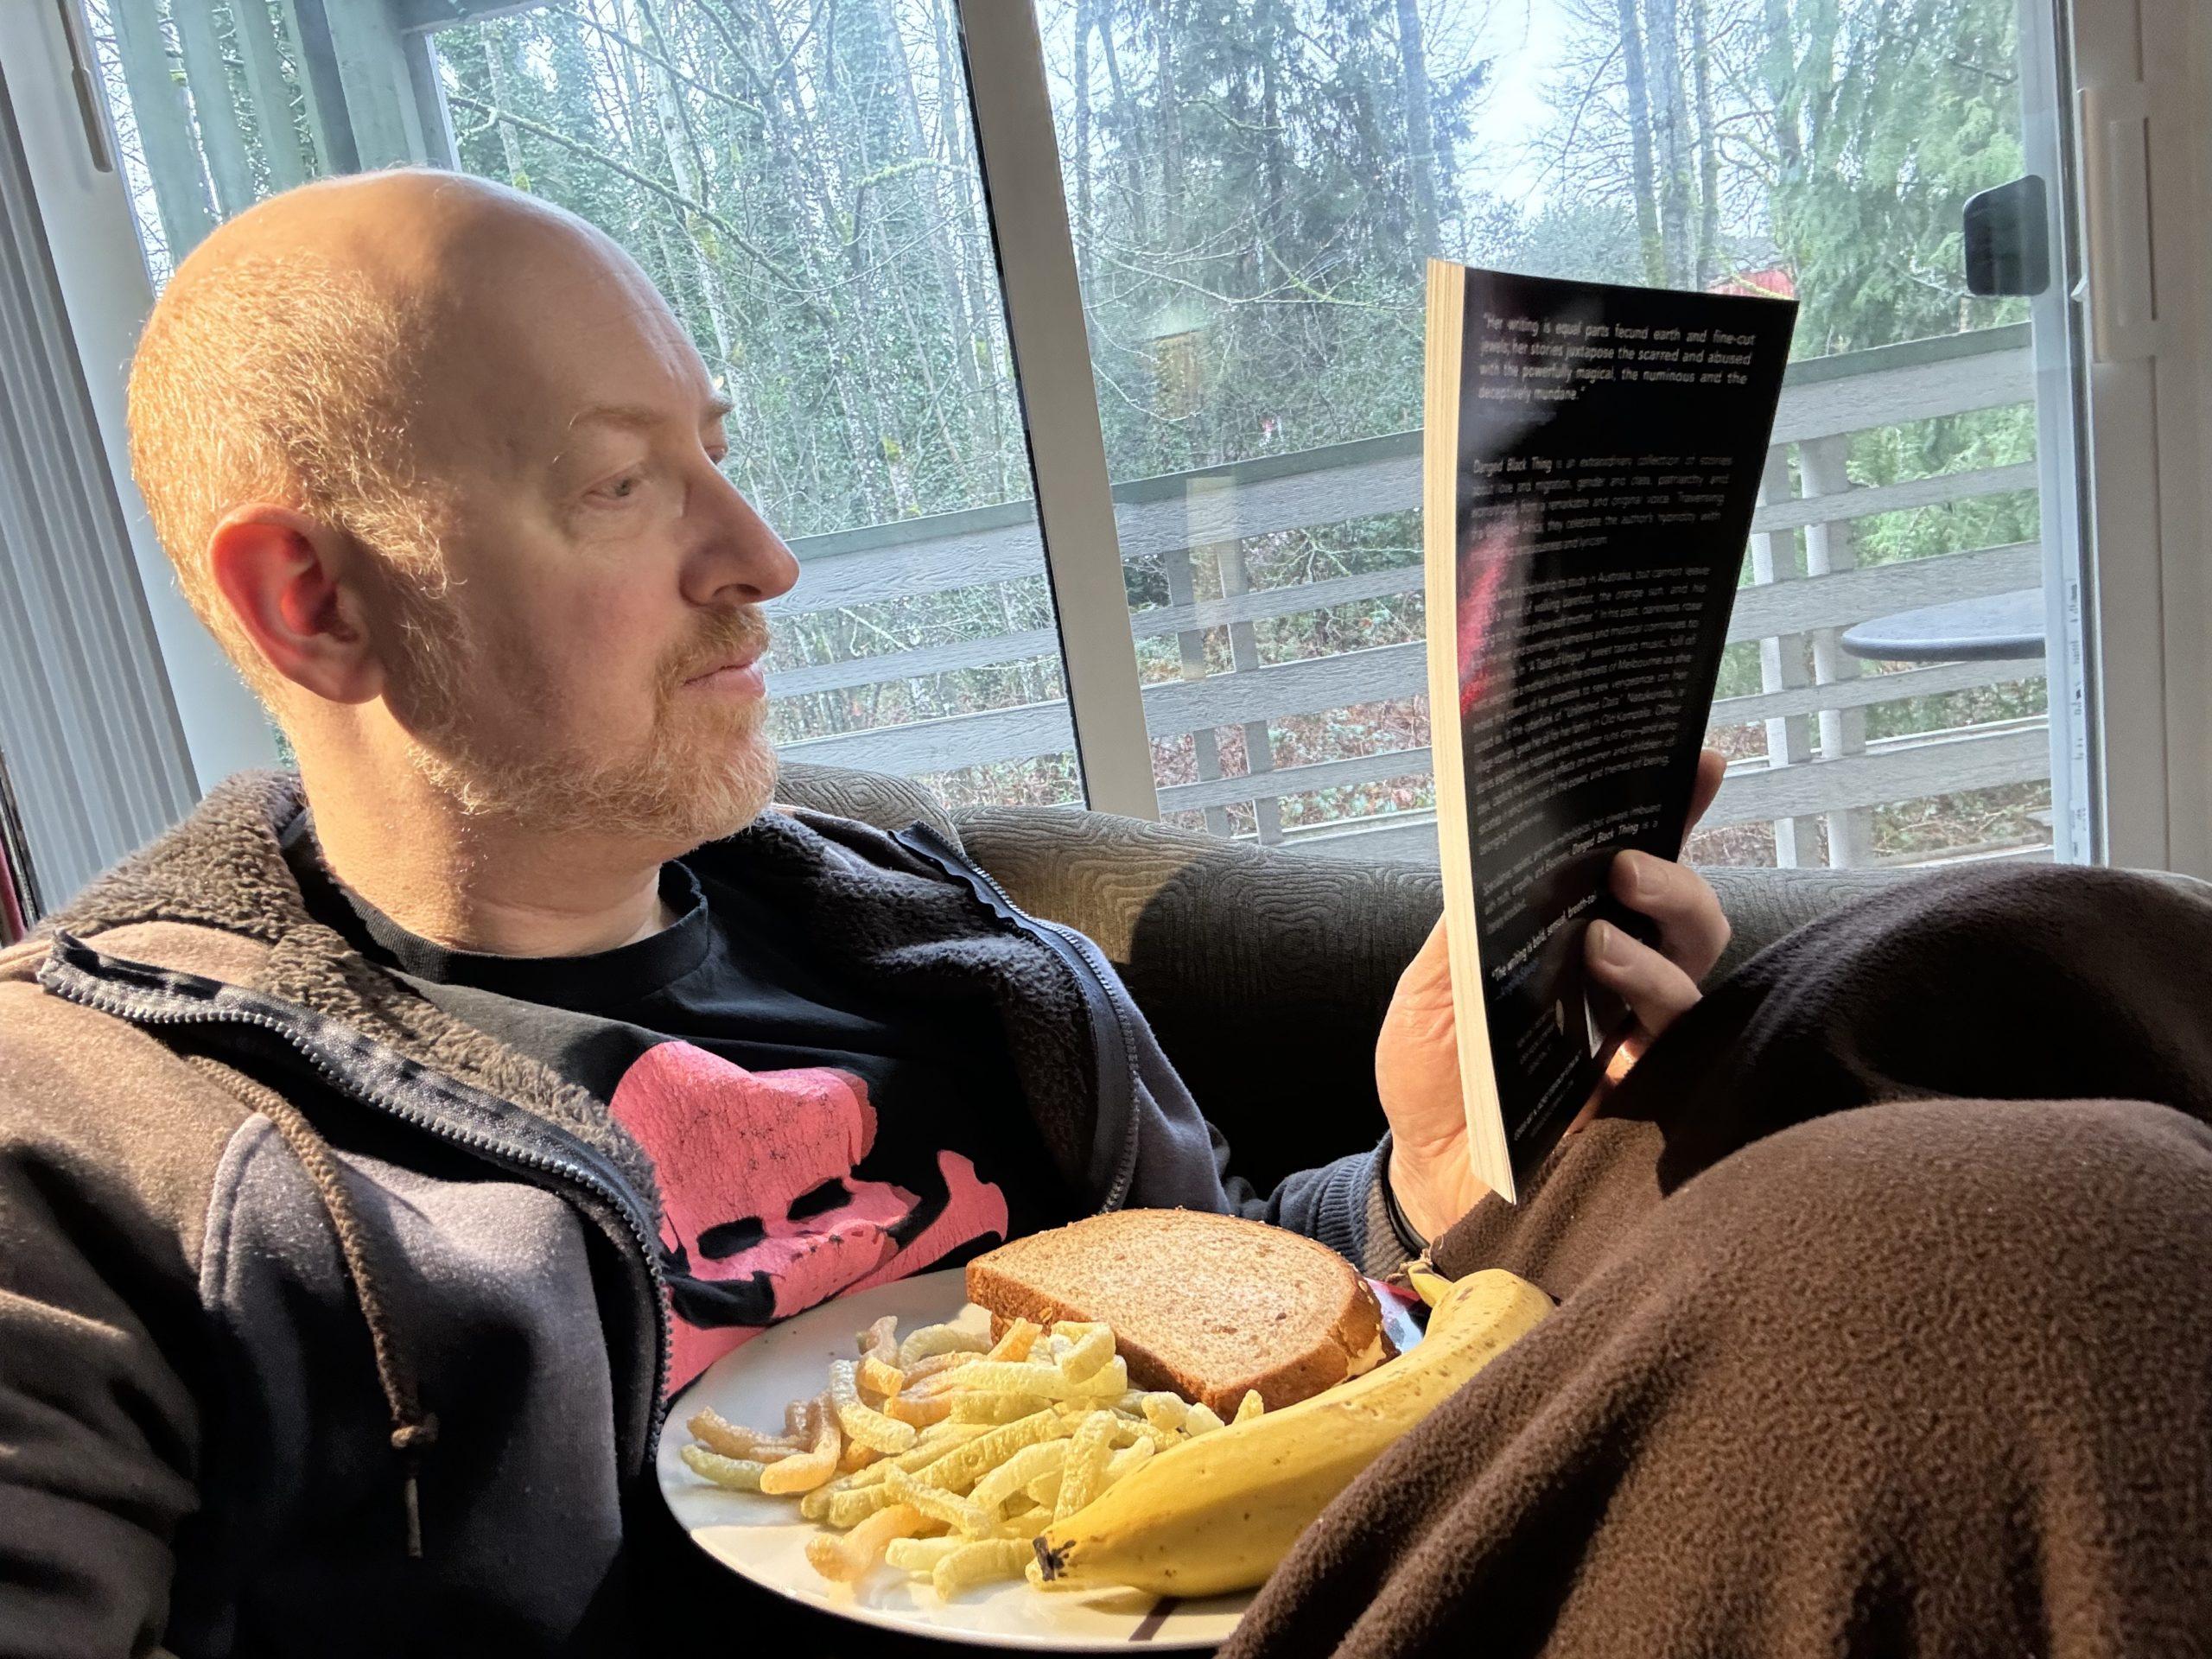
(1605, 939)
(1631, 874)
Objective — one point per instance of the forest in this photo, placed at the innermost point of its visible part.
(1252, 188)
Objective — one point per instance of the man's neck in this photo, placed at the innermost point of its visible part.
(484, 885)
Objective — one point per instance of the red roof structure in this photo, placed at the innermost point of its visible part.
(1774, 281)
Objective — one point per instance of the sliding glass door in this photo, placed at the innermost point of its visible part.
(1252, 191)
(1249, 193)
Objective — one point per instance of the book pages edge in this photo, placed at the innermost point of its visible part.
(1489, 1154)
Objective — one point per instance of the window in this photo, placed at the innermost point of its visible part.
(799, 180)
(1252, 191)
(1249, 193)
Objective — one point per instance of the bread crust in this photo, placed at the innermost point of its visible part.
(1011, 1282)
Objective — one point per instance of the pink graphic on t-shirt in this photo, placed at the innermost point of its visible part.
(973, 1208)
(731, 1145)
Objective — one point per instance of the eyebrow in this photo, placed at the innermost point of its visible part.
(638, 416)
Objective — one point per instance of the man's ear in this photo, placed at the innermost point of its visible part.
(294, 586)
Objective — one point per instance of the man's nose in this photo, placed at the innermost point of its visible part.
(739, 558)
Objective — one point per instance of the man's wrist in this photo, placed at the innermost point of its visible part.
(1410, 1238)
(1431, 1190)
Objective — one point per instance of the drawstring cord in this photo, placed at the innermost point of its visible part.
(414, 1430)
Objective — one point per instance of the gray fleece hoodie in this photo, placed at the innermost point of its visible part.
(330, 1324)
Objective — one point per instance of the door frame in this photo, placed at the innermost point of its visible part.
(2142, 114)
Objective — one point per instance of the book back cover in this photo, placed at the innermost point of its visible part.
(1593, 458)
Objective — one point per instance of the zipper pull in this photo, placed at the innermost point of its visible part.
(410, 1440)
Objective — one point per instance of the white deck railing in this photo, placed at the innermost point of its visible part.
(364, 78)
(1819, 764)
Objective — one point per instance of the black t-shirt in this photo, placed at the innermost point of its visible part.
(810, 1137)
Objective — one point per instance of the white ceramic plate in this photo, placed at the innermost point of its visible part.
(764, 1539)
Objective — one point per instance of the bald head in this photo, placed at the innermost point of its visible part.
(442, 471)
(326, 350)
(400, 230)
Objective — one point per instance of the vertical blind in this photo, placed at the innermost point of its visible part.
(93, 745)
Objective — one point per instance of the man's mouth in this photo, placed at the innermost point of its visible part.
(738, 676)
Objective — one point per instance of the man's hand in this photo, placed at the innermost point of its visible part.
(1417, 1057)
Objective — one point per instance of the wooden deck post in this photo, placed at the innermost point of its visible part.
(1243, 658)
(214, 108)
(322, 99)
(255, 26)
(1191, 648)
(1782, 662)
(1828, 551)
(380, 104)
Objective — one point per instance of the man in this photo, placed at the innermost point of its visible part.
(429, 1078)
(380, 1148)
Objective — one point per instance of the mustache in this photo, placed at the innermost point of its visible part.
(722, 635)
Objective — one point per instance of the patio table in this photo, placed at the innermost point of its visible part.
(1995, 628)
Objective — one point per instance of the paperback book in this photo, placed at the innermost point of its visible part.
(1590, 464)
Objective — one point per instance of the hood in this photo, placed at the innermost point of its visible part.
(224, 904)
(218, 881)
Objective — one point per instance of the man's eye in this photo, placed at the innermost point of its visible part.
(623, 489)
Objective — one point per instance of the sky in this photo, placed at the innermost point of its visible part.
(1524, 37)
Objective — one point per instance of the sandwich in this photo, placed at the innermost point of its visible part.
(1206, 1305)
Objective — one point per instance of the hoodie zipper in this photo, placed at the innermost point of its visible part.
(1111, 1035)
(76, 983)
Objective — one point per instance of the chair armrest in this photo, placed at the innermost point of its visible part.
(1267, 974)
(875, 798)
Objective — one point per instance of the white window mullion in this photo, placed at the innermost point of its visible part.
(2137, 108)
(2177, 51)
(1018, 151)
(92, 247)
(95, 751)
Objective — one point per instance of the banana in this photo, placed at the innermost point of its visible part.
(1427, 1282)
(1217, 1513)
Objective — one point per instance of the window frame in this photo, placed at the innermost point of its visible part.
(2142, 412)
(1017, 152)
(2140, 87)
(92, 249)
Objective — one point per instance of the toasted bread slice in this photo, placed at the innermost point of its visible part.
(1208, 1306)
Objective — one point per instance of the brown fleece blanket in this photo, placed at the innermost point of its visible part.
(1885, 1320)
